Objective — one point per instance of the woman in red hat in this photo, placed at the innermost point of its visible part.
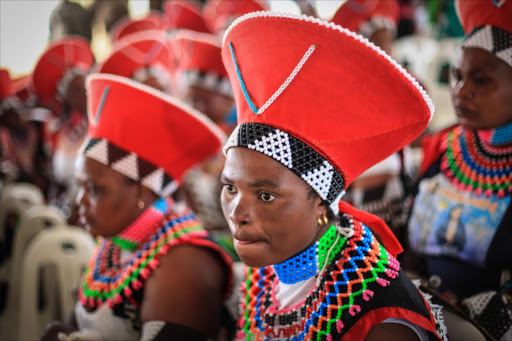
(313, 114)
(154, 274)
(58, 81)
(460, 224)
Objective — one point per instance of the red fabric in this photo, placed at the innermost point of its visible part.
(158, 128)
(5, 84)
(21, 87)
(348, 102)
(62, 55)
(219, 14)
(354, 12)
(432, 149)
(374, 317)
(142, 49)
(376, 224)
(185, 14)
(479, 13)
(128, 26)
(199, 51)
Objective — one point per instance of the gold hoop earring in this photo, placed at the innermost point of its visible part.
(322, 220)
(140, 204)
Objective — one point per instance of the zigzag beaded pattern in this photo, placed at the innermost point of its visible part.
(109, 279)
(360, 264)
(492, 39)
(292, 153)
(472, 165)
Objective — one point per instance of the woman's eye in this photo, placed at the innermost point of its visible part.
(229, 188)
(267, 197)
(481, 80)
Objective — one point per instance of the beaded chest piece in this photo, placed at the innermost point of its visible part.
(479, 161)
(358, 263)
(110, 279)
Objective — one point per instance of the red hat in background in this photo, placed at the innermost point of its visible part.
(200, 61)
(219, 14)
(488, 25)
(20, 87)
(366, 17)
(127, 26)
(319, 99)
(142, 52)
(5, 84)
(64, 55)
(183, 14)
(130, 124)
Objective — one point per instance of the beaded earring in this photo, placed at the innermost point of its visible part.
(140, 204)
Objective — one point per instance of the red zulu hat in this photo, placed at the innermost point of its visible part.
(219, 14)
(319, 99)
(127, 26)
(183, 14)
(139, 53)
(5, 84)
(67, 54)
(144, 134)
(200, 61)
(367, 16)
(488, 25)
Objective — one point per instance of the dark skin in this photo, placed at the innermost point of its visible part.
(187, 287)
(272, 217)
(210, 103)
(383, 39)
(481, 85)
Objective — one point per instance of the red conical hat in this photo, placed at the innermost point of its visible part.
(5, 84)
(488, 25)
(144, 134)
(127, 26)
(219, 14)
(355, 14)
(183, 14)
(200, 61)
(143, 49)
(61, 56)
(319, 98)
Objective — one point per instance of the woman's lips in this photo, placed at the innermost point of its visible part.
(464, 112)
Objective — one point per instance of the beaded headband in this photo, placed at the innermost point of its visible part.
(294, 154)
(492, 39)
(130, 165)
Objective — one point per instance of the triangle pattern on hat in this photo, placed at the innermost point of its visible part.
(481, 37)
(128, 166)
(98, 151)
(115, 153)
(275, 145)
(145, 167)
(154, 180)
(320, 179)
(501, 39)
(506, 55)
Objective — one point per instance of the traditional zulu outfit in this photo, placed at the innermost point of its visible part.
(310, 95)
(111, 290)
(462, 214)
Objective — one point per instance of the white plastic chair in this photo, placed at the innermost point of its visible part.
(16, 198)
(66, 252)
(33, 221)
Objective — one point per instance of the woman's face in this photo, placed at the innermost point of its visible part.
(107, 200)
(76, 96)
(270, 213)
(481, 89)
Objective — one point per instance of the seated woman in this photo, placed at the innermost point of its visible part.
(461, 219)
(317, 105)
(154, 274)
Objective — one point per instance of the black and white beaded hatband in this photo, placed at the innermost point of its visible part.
(492, 39)
(300, 158)
(130, 165)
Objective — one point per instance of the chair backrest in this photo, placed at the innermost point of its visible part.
(32, 222)
(67, 251)
(16, 198)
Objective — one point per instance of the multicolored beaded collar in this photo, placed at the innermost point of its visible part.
(479, 161)
(359, 264)
(108, 278)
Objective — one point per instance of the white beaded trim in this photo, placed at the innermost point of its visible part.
(334, 27)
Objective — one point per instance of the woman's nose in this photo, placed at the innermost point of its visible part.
(239, 214)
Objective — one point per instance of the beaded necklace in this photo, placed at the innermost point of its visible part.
(359, 264)
(479, 161)
(108, 278)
